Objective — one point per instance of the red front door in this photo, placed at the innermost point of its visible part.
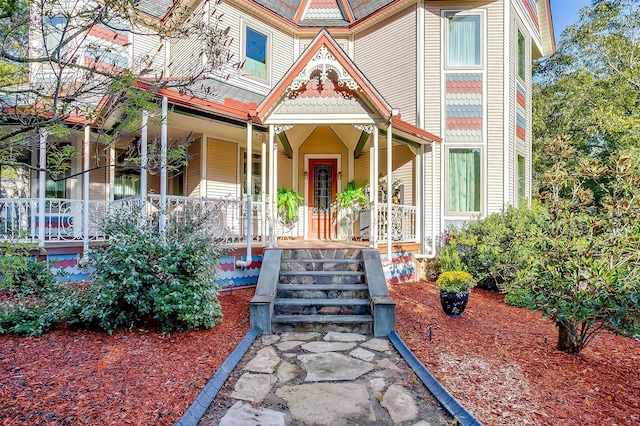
(322, 193)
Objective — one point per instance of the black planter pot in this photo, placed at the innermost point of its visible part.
(453, 303)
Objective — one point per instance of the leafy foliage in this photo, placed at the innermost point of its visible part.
(494, 248)
(288, 203)
(352, 194)
(141, 273)
(590, 89)
(19, 274)
(585, 275)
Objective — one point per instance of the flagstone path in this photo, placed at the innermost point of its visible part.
(298, 379)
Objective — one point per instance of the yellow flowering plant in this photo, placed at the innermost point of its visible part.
(455, 281)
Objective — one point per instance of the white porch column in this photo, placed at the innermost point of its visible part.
(272, 194)
(42, 183)
(374, 187)
(163, 167)
(389, 190)
(263, 192)
(85, 191)
(249, 176)
(144, 160)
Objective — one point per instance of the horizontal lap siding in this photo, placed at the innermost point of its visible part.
(361, 165)
(194, 169)
(284, 170)
(496, 69)
(222, 169)
(146, 44)
(281, 54)
(186, 52)
(98, 178)
(386, 56)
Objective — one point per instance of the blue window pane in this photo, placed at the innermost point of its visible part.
(256, 47)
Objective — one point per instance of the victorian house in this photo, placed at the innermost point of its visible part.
(423, 105)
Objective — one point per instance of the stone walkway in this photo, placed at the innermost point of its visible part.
(333, 379)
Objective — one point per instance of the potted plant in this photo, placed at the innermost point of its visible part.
(288, 202)
(455, 287)
(350, 201)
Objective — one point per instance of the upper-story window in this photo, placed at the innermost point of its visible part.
(54, 29)
(522, 56)
(521, 182)
(464, 41)
(256, 54)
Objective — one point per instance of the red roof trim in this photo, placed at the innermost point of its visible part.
(323, 38)
(300, 12)
(403, 126)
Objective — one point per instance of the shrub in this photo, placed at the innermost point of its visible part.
(19, 273)
(493, 249)
(141, 273)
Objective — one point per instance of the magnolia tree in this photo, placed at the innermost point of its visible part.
(64, 64)
(586, 273)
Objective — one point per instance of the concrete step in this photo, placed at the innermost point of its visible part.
(322, 273)
(320, 302)
(358, 261)
(323, 287)
(322, 319)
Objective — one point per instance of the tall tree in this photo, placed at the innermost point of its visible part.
(58, 68)
(590, 88)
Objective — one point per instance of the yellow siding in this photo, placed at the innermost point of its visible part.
(98, 178)
(361, 166)
(193, 170)
(222, 169)
(284, 170)
(322, 141)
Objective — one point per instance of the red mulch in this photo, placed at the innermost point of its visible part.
(130, 378)
(500, 362)
(494, 359)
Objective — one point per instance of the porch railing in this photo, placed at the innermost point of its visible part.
(355, 223)
(63, 219)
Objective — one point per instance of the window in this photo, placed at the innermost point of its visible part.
(126, 179)
(464, 180)
(521, 184)
(256, 54)
(522, 57)
(463, 40)
(54, 29)
(256, 173)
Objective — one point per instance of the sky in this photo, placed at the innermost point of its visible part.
(564, 13)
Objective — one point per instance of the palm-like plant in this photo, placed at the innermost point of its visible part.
(352, 194)
(288, 202)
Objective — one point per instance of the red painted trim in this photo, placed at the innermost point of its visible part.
(521, 101)
(300, 12)
(520, 133)
(323, 38)
(415, 131)
(346, 9)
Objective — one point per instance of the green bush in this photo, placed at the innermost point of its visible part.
(141, 273)
(19, 273)
(493, 249)
(33, 315)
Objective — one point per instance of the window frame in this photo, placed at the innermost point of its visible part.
(521, 180)
(53, 37)
(447, 15)
(521, 56)
(259, 29)
(482, 190)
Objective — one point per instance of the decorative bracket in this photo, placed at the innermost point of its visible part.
(367, 128)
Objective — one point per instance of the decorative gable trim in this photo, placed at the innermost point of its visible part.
(322, 64)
